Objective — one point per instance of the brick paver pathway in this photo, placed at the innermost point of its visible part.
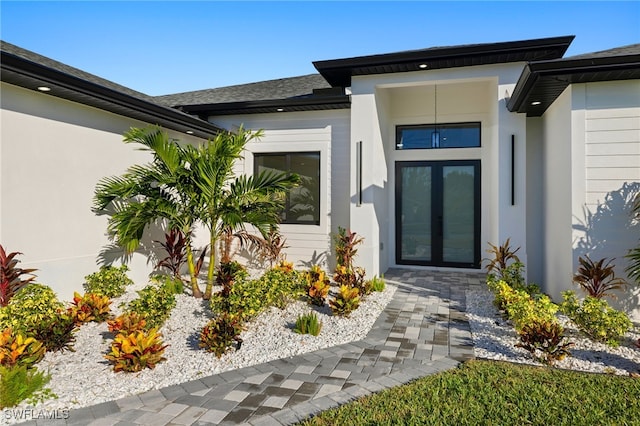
(423, 330)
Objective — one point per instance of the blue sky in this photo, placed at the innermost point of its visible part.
(169, 47)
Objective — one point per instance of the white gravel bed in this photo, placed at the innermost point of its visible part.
(84, 377)
(494, 338)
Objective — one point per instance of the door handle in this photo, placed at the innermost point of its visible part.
(440, 226)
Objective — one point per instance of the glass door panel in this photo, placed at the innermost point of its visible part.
(438, 213)
(415, 207)
(458, 219)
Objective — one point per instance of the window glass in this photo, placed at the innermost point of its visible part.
(432, 136)
(302, 204)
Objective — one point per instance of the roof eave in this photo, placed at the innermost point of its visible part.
(270, 106)
(562, 73)
(338, 72)
(24, 73)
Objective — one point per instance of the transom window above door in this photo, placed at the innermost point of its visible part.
(434, 136)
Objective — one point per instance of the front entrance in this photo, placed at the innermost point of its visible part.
(438, 213)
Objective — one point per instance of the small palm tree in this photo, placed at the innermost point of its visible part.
(185, 185)
(226, 203)
(144, 194)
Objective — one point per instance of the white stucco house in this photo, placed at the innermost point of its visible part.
(428, 154)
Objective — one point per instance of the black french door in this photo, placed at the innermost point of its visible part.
(438, 213)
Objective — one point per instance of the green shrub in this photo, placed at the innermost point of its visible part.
(247, 298)
(20, 383)
(29, 308)
(596, 318)
(308, 324)
(526, 309)
(221, 333)
(108, 281)
(377, 284)
(172, 284)
(154, 303)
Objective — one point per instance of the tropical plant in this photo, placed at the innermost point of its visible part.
(273, 245)
(175, 246)
(502, 256)
(56, 333)
(11, 277)
(90, 307)
(136, 351)
(546, 337)
(318, 285)
(227, 274)
(187, 184)
(160, 190)
(108, 281)
(221, 333)
(20, 383)
(18, 349)
(598, 278)
(308, 324)
(346, 301)
(226, 204)
(127, 323)
(345, 243)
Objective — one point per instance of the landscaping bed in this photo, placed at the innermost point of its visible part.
(85, 377)
(495, 338)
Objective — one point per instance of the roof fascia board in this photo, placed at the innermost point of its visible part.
(168, 116)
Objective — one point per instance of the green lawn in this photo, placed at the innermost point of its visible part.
(496, 393)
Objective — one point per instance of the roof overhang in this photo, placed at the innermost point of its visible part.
(338, 72)
(311, 103)
(30, 75)
(542, 82)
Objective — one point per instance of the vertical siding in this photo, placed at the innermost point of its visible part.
(306, 131)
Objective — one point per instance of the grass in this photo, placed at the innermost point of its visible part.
(496, 393)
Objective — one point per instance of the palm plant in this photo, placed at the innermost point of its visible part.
(144, 194)
(226, 203)
(185, 185)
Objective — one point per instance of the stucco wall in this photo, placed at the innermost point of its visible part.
(557, 189)
(381, 102)
(324, 131)
(52, 154)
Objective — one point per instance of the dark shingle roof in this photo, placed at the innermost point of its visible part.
(541, 82)
(30, 70)
(283, 88)
(631, 49)
(59, 66)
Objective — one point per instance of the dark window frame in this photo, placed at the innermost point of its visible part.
(400, 128)
(288, 155)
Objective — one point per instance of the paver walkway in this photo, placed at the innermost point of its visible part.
(423, 330)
